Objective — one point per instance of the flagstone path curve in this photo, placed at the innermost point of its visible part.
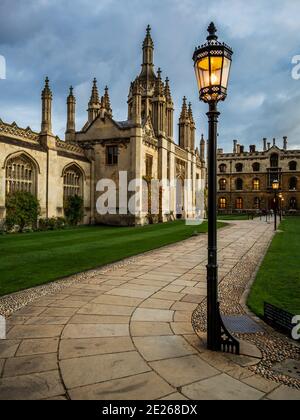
(126, 334)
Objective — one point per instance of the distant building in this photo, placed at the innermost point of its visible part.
(245, 177)
(143, 146)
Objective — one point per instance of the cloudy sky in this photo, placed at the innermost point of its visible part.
(72, 41)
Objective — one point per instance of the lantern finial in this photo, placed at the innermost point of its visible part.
(212, 30)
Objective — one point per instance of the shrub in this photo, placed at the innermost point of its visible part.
(52, 224)
(74, 210)
(22, 210)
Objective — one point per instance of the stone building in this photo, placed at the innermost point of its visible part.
(143, 146)
(245, 177)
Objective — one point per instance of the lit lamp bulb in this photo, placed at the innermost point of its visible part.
(214, 79)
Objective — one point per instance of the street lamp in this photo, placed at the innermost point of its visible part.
(212, 62)
(281, 201)
(275, 188)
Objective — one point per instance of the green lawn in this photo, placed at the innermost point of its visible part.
(33, 259)
(234, 217)
(278, 280)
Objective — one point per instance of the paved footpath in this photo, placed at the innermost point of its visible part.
(127, 334)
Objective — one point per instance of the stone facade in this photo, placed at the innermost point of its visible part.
(142, 146)
(245, 177)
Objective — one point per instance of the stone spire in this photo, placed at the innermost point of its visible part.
(159, 86)
(168, 91)
(159, 107)
(147, 75)
(94, 104)
(202, 148)
(71, 109)
(184, 116)
(184, 126)
(106, 101)
(46, 127)
(192, 127)
(169, 110)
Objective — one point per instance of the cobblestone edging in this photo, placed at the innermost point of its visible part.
(274, 347)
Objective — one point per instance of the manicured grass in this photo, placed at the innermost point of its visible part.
(278, 280)
(234, 217)
(37, 258)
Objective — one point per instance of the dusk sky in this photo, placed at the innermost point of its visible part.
(73, 41)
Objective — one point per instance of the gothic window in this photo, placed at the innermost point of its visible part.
(73, 182)
(274, 160)
(223, 203)
(293, 183)
(222, 184)
(257, 203)
(256, 184)
(293, 203)
(20, 175)
(112, 155)
(239, 184)
(239, 203)
(293, 166)
(239, 167)
(256, 167)
(149, 166)
(223, 168)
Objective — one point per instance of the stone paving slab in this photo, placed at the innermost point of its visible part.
(124, 332)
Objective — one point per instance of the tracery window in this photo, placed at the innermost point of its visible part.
(20, 175)
(73, 182)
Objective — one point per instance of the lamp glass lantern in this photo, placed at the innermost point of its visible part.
(212, 62)
(275, 185)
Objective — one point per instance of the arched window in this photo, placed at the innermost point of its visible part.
(239, 203)
(223, 168)
(274, 160)
(223, 184)
(256, 167)
(239, 167)
(293, 166)
(222, 203)
(293, 203)
(293, 183)
(21, 175)
(256, 184)
(73, 182)
(239, 184)
(257, 203)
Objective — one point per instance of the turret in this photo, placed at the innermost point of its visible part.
(71, 109)
(136, 103)
(202, 148)
(192, 128)
(184, 126)
(159, 106)
(94, 104)
(169, 110)
(46, 126)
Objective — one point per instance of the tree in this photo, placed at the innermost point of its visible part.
(22, 210)
(74, 210)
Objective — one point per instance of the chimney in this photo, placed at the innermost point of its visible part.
(269, 146)
(238, 149)
(274, 142)
(265, 144)
(242, 149)
(235, 146)
(252, 149)
(285, 143)
(220, 151)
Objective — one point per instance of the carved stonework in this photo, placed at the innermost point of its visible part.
(180, 169)
(14, 130)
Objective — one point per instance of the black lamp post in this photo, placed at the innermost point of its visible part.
(275, 188)
(212, 66)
